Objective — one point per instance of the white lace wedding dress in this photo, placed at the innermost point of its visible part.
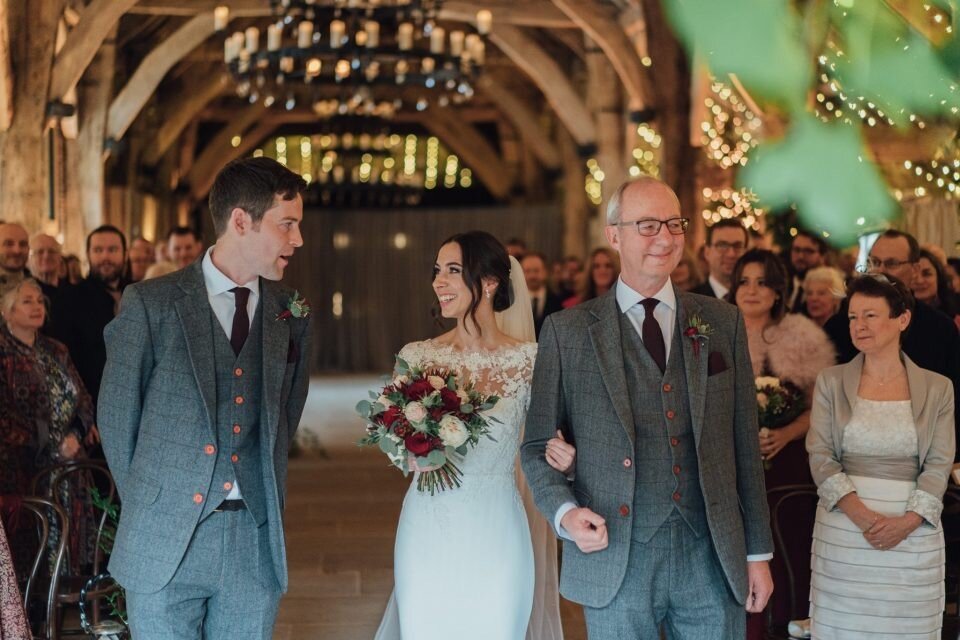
(463, 560)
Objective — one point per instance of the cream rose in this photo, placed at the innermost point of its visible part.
(463, 395)
(436, 382)
(384, 401)
(762, 400)
(415, 412)
(399, 381)
(768, 381)
(453, 432)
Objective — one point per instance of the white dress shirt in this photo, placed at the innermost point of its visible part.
(223, 303)
(718, 287)
(665, 314)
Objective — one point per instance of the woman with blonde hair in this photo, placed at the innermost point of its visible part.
(824, 289)
(601, 275)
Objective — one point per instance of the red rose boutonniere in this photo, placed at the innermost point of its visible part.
(297, 307)
(698, 331)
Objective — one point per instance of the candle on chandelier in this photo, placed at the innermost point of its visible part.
(479, 52)
(437, 40)
(405, 36)
(337, 30)
(471, 46)
(229, 54)
(274, 37)
(221, 16)
(456, 43)
(427, 65)
(372, 28)
(253, 39)
(304, 34)
(484, 21)
(342, 70)
(313, 67)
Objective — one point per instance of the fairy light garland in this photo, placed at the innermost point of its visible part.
(729, 203)
(732, 129)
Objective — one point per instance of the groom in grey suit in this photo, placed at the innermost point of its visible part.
(666, 513)
(205, 382)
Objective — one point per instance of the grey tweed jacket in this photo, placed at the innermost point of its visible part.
(157, 411)
(579, 383)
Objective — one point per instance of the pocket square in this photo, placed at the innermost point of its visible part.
(716, 363)
(293, 354)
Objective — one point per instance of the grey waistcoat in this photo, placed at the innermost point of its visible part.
(239, 388)
(668, 478)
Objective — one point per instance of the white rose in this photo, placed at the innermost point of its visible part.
(399, 381)
(463, 395)
(415, 412)
(436, 382)
(762, 400)
(768, 381)
(384, 402)
(453, 432)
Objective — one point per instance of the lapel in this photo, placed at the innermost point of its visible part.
(196, 320)
(606, 339)
(695, 366)
(276, 342)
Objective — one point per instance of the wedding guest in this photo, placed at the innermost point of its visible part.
(571, 275)
(46, 408)
(881, 446)
(45, 262)
(140, 258)
(81, 313)
(727, 240)
(183, 246)
(932, 287)
(807, 251)
(953, 274)
(516, 248)
(73, 271)
(601, 276)
(543, 300)
(13, 619)
(793, 349)
(687, 275)
(14, 250)
(825, 290)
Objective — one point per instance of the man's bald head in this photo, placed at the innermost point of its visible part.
(14, 247)
(639, 188)
(46, 257)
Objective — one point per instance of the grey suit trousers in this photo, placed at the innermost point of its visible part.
(220, 591)
(675, 583)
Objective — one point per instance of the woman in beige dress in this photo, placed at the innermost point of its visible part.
(881, 445)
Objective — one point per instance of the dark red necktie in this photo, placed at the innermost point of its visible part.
(241, 320)
(652, 334)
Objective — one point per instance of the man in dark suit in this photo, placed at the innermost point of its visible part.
(204, 387)
(666, 513)
(727, 240)
(807, 251)
(543, 301)
(80, 313)
(931, 341)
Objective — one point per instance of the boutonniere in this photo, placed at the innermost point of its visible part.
(698, 331)
(297, 307)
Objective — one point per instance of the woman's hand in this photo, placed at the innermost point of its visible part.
(887, 533)
(70, 447)
(560, 455)
(772, 441)
(412, 463)
(93, 436)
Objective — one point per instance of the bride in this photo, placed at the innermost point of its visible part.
(466, 562)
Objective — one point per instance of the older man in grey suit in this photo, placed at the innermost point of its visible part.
(666, 513)
(205, 382)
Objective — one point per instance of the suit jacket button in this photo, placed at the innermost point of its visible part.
(628, 463)
(198, 498)
(676, 496)
(236, 428)
(671, 415)
(668, 387)
(624, 510)
(674, 442)
(238, 399)
(238, 372)
(209, 449)
(676, 469)
(228, 485)
(234, 458)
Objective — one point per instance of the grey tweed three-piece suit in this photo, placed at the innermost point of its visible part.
(183, 417)
(669, 459)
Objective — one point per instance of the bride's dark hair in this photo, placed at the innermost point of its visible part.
(483, 256)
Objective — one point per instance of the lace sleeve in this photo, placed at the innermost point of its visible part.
(411, 353)
(834, 488)
(926, 506)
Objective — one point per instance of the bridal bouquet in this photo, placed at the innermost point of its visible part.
(778, 404)
(430, 415)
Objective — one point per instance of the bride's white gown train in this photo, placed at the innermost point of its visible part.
(463, 560)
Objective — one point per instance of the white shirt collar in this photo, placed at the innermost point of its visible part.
(718, 287)
(218, 282)
(627, 298)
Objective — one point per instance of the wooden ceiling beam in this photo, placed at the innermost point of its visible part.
(524, 120)
(180, 112)
(6, 70)
(96, 22)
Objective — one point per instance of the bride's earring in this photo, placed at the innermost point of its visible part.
(489, 294)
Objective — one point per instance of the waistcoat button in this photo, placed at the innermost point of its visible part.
(238, 399)
(234, 458)
(676, 469)
(674, 442)
(671, 415)
(236, 428)
(238, 372)
(628, 463)
(198, 498)
(668, 387)
(624, 510)
(676, 496)
(228, 485)
(209, 449)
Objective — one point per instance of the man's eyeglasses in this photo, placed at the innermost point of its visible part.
(807, 251)
(723, 247)
(651, 227)
(889, 264)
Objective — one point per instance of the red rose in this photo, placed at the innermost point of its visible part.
(690, 332)
(390, 416)
(418, 389)
(402, 430)
(451, 401)
(436, 413)
(419, 444)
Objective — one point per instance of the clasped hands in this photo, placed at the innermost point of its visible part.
(886, 532)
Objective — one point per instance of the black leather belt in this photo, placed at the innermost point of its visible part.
(231, 505)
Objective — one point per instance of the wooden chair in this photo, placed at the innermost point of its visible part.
(38, 583)
(951, 534)
(783, 499)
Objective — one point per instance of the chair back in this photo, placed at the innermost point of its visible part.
(43, 510)
(789, 542)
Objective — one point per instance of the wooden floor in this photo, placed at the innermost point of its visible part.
(341, 515)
